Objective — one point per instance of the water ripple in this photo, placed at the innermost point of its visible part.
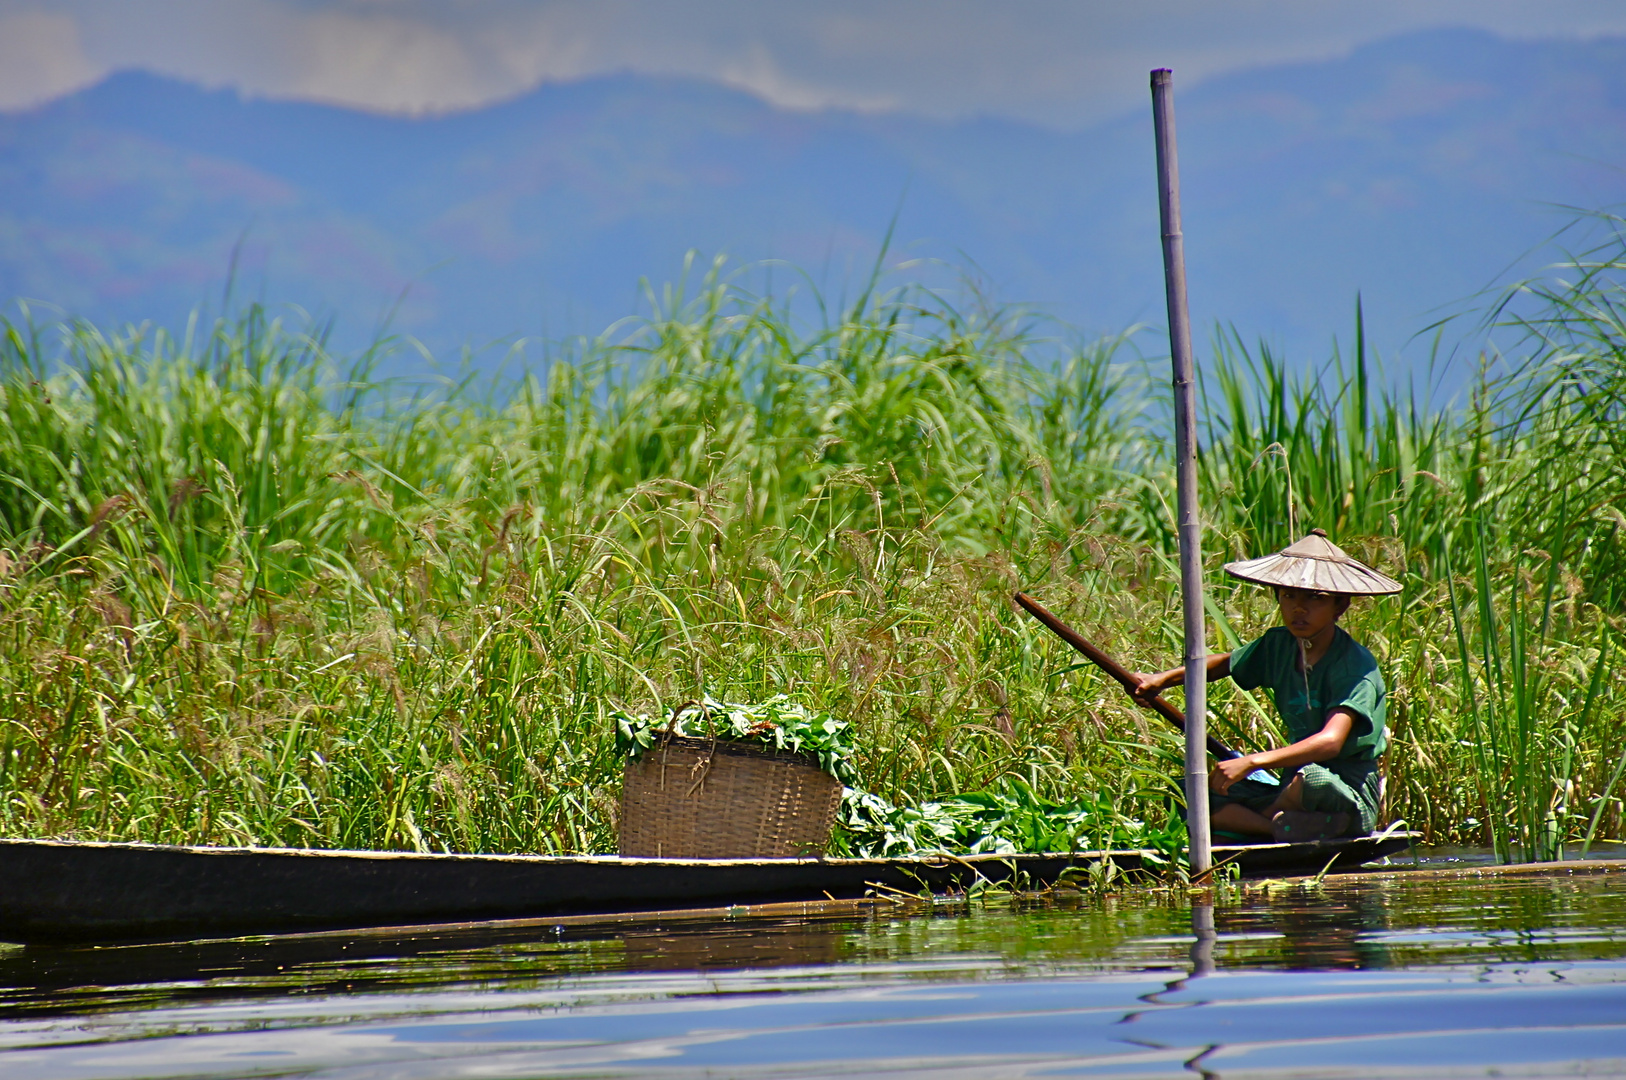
(1374, 978)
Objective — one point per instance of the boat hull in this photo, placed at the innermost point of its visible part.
(63, 891)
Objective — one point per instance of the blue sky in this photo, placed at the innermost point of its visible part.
(1056, 62)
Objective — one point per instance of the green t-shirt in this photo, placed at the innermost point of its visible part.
(1346, 678)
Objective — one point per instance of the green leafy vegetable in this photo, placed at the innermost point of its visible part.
(1008, 820)
(778, 723)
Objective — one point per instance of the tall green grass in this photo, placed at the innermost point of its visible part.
(250, 594)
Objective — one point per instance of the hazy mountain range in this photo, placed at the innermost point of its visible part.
(1415, 170)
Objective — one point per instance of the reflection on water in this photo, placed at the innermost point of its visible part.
(1375, 976)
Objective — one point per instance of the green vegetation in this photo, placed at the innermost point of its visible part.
(1010, 818)
(777, 724)
(248, 595)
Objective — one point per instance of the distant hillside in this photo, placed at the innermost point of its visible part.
(1414, 170)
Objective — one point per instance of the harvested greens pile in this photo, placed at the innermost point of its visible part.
(1007, 820)
(778, 723)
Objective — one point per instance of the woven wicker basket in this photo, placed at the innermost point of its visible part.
(704, 799)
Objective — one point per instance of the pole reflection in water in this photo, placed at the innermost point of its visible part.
(1202, 945)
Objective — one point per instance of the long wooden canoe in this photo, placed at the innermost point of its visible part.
(62, 891)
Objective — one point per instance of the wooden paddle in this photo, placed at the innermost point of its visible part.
(1114, 669)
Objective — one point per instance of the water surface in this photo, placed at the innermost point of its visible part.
(1401, 975)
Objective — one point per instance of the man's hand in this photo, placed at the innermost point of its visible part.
(1147, 687)
(1226, 773)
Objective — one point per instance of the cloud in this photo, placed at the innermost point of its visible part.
(760, 72)
(1058, 62)
(40, 57)
(385, 61)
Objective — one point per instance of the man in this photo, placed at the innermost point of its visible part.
(1327, 690)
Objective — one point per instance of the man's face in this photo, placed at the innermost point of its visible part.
(1308, 614)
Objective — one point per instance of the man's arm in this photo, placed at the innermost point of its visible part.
(1219, 667)
(1324, 745)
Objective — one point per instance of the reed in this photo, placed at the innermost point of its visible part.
(250, 594)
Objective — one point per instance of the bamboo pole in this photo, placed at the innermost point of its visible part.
(1185, 434)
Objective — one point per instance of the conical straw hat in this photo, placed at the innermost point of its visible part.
(1314, 563)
